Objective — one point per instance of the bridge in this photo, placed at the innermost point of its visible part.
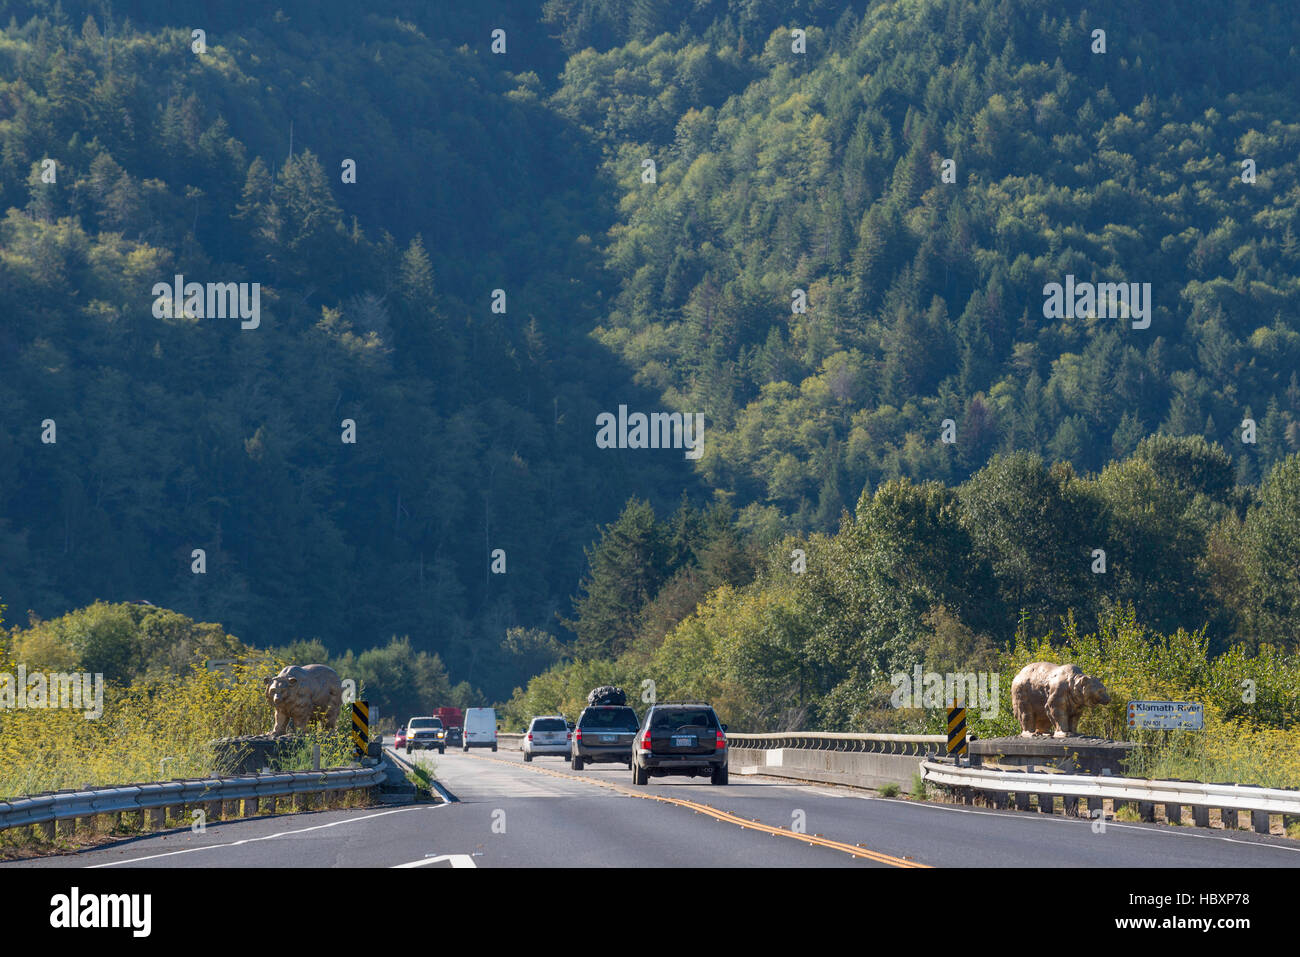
(492, 810)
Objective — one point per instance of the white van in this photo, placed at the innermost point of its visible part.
(480, 729)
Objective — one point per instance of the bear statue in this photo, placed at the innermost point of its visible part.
(303, 694)
(1044, 695)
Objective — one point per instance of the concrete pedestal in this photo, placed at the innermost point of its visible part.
(1072, 755)
(250, 754)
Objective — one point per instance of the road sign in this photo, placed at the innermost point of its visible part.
(360, 728)
(956, 730)
(1166, 715)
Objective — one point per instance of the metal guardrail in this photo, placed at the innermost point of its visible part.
(61, 805)
(909, 744)
(1238, 797)
(917, 744)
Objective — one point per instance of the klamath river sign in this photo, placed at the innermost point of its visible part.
(1166, 715)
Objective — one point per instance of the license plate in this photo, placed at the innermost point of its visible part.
(683, 741)
(608, 738)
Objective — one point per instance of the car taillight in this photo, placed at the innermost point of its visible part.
(530, 736)
(568, 736)
(721, 742)
(645, 742)
(578, 734)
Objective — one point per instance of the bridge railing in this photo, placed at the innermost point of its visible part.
(1004, 788)
(908, 744)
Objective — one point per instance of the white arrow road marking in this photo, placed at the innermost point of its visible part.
(268, 837)
(457, 860)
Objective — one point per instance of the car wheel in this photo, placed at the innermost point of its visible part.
(527, 757)
(576, 763)
(443, 749)
(408, 749)
(494, 749)
(720, 775)
(465, 748)
(639, 776)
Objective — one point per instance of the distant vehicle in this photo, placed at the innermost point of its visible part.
(451, 717)
(480, 729)
(603, 736)
(426, 732)
(685, 739)
(400, 741)
(547, 735)
(453, 738)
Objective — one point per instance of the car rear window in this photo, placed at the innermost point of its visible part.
(549, 724)
(619, 719)
(423, 724)
(675, 718)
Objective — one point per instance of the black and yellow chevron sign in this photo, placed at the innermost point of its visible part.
(956, 730)
(360, 727)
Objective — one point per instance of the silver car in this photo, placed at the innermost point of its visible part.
(548, 734)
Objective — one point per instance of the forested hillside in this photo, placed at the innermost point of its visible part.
(822, 172)
(472, 427)
(845, 242)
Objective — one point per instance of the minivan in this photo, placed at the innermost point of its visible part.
(480, 729)
(604, 734)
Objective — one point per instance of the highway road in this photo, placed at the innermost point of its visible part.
(511, 814)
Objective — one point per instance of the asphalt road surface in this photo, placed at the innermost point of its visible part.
(511, 814)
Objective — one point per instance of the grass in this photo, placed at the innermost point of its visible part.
(150, 731)
(1224, 752)
(888, 790)
(919, 790)
(421, 777)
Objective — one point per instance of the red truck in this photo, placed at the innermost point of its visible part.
(451, 717)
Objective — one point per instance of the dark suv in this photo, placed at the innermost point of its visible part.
(680, 739)
(604, 735)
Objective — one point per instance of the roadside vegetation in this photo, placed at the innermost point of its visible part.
(157, 723)
(1198, 601)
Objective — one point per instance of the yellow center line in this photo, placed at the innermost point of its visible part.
(715, 813)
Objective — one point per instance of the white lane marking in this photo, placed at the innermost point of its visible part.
(266, 837)
(457, 860)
